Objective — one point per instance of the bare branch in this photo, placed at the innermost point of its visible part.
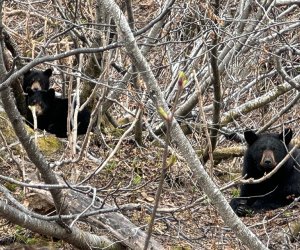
(177, 135)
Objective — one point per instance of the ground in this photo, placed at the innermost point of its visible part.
(198, 227)
(134, 171)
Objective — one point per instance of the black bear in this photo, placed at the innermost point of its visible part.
(36, 80)
(52, 113)
(264, 152)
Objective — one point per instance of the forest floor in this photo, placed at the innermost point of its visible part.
(132, 177)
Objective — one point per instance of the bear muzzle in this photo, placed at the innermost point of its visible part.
(268, 160)
(36, 85)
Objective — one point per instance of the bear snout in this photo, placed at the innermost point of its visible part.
(36, 86)
(268, 160)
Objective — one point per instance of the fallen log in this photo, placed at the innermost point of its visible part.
(223, 153)
(116, 223)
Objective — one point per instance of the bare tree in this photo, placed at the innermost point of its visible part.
(124, 60)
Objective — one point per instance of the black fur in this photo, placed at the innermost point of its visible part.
(264, 152)
(37, 80)
(52, 113)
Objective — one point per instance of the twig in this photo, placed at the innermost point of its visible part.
(280, 113)
(168, 120)
(33, 112)
(274, 170)
(205, 125)
(282, 71)
(114, 151)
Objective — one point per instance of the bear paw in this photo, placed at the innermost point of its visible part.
(240, 207)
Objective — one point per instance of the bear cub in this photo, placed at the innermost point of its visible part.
(52, 113)
(263, 153)
(36, 80)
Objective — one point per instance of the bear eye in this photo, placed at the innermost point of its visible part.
(273, 148)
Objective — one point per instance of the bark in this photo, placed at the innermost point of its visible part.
(150, 40)
(226, 55)
(185, 148)
(214, 131)
(96, 63)
(280, 69)
(31, 149)
(255, 104)
(220, 154)
(78, 238)
(116, 223)
(231, 49)
(16, 85)
(138, 130)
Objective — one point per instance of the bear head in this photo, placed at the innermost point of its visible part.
(267, 150)
(37, 80)
(41, 99)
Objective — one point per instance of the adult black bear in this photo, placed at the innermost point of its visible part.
(52, 113)
(36, 79)
(264, 152)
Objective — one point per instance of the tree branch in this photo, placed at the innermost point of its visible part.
(185, 148)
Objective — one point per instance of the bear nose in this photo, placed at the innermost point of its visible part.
(268, 162)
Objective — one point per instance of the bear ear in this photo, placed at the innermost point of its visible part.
(250, 137)
(48, 72)
(286, 136)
